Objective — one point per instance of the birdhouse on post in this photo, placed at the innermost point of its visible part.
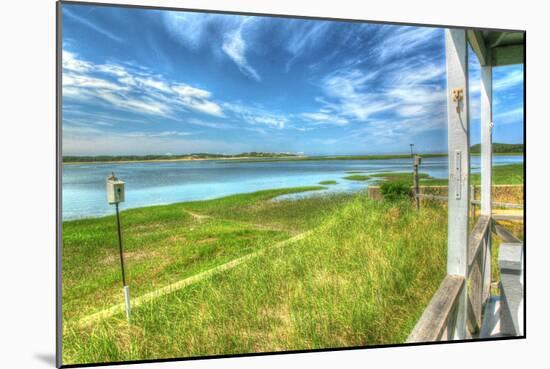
(115, 195)
(115, 190)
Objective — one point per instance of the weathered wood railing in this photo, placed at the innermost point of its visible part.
(496, 204)
(500, 204)
(508, 217)
(438, 320)
(504, 234)
(479, 271)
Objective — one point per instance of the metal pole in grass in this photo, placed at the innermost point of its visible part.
(416, 186)
(115, 195)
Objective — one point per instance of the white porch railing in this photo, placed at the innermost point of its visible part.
(456, 309)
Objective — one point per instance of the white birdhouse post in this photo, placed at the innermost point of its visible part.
(115, 195)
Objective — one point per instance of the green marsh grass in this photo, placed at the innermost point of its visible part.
(509, 174)
(362, 277)
(357, 177)
(164, 244)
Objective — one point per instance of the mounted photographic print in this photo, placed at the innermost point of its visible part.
(239, 184)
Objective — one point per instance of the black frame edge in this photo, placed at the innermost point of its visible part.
(58, 185)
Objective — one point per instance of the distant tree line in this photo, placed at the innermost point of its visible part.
(500, 148)
(101, 158)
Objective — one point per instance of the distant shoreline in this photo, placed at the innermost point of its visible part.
(164, 160)
(253, 159)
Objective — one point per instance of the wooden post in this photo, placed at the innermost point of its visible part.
(416, 187)
(486, 166)
(473, 192)
(456, 53)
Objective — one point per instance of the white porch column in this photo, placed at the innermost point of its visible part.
(486, 166)
(486, 137)
(459, 165)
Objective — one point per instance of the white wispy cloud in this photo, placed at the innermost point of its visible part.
(189, 29)
(78, 121)
(380, 132)
(270, 121)
(72, 64)
(197, 99)
(72, 129)
(415, 72)
(76, 113)
(122, 145)
(398, 41)
(135, 90)
(155, 134)
(416, 96)
(257, 115)
(159, 85)
(139, 91)
(509, 116)
(510, 79)
(81, 81)
(89, 137)
(216, 31)
(325, 118)
(348, 95)
(209, 124)
(386, 86)
(302, 37)
(386, 99)
(235, 47)
(93, 26)
(474, 86)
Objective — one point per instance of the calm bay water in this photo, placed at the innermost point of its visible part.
(158, 183)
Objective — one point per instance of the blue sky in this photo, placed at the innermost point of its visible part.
(162, 82)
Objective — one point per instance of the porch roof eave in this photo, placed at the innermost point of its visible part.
(497, 48)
